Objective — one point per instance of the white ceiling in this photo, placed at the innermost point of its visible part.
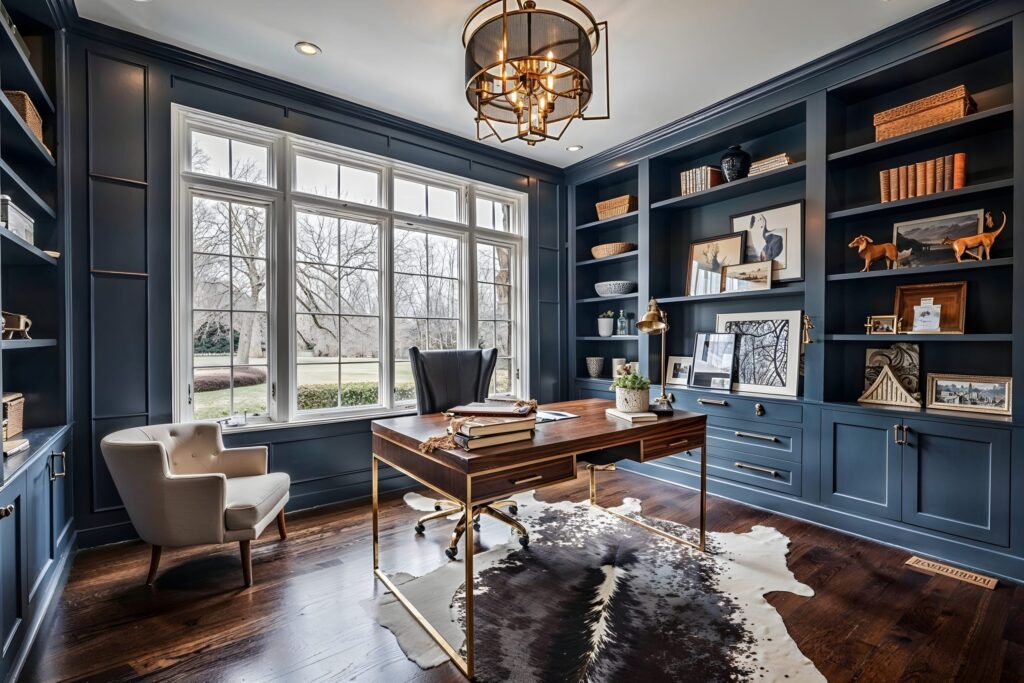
(668, 57)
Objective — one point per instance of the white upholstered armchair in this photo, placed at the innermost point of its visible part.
(181, 487)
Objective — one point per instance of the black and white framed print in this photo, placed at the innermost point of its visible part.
(767, 350)
(775, 234)
(677, 370)
(713, 360)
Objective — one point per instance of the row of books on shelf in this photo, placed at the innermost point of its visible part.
(700, 179)
(941, 174)
(770, 164)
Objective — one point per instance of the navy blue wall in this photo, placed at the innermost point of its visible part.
(120, 176)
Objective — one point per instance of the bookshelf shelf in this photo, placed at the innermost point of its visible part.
(720, 193)
(914, 202)
(1005, 262)
(626, 256)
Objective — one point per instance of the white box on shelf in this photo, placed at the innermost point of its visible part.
(16, 220)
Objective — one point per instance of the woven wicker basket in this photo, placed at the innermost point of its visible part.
(27, 111)
(612, 249)
(610, 208)
(948, 105)
(14, 413)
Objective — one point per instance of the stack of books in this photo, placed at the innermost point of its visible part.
(700, 179)
(483, 431)
(630, 417)
(925, 177)
(770, 164)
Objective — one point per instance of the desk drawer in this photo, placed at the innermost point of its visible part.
(493, 486)
(766, 473)
(660, 446)
(755, 438)
(729, 405)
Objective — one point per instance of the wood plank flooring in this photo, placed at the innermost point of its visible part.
(870, 619)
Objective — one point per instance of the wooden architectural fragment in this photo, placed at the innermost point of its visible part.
(887, 391)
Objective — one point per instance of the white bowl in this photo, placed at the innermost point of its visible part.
(614, 287)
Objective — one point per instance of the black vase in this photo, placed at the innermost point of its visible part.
(735, 164)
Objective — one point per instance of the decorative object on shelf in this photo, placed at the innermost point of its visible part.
(770, 164)
(708, 257)
(16, 323)
(903, 359)
(22, 104)
(528, 67)
(699, 179)
(611, 249)
(617, 364)
(948, 298)
(614, 287)
(922, 242)
(677, 373)
(713, 360)
(983, 241)
(948, 105)
(15, 446)
(14, 414)
(52, 254)
(617, 206)
(654, 323)
(606, 323)
(632, 393)
(768, 347)
(735, 163)
(971, 393)
(887, 391)
(775, 234)
(16, 220)
(871, 252)
(882, 324)
(747, 277)
(622, 324)
(807, 327)
(595, 364)
(941, 174)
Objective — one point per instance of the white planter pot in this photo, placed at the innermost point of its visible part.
(605, 326)
(632, 400)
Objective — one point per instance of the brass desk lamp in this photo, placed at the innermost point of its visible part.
(654, 323)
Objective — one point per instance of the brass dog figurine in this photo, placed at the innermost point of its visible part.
(871, 252)
(985, 240)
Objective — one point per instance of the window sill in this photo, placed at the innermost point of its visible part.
(319, 420)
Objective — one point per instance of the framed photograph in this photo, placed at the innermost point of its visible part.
(775, 234)
(747, 277)
(677, 371)
(882, 324)
(971, 393)
(708, 258)
(767, 350)
(903, 359)
(920, 243)
(937, 308)
(713, 360)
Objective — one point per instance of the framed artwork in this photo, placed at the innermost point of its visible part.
(971, 393)
(767, 350)
(677, 371)
(713, 360)
(921, 242)
(937, 308)
(903, 359)
(775, 234)
(747, 277)
(883, 324)
(708, 258)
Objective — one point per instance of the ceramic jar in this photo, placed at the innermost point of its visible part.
(605, 326)
(632, 400)
(595, 364)
(735, 164)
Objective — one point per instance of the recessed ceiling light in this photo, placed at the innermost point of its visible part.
(306, 48)
(574, 148)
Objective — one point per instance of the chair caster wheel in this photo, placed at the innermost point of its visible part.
(437, 507)
(420, 528)
(476, 526)
(451, 552)
(524, 541)
(514, 510)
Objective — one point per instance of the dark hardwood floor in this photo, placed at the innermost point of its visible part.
(870, 620)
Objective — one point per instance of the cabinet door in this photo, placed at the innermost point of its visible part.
(12, 608)
(956, 479)
(860, 463)
(61, 509)
(37, 523)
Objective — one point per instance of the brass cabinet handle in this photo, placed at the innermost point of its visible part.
(527, 480)
(759, 437)
(712, 402)
(896, 429)
(63, 466)
(757, 468)
(6, 511)
(758, 409)
(679, 443)
(906, 436)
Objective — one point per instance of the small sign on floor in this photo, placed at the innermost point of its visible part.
(933, 567)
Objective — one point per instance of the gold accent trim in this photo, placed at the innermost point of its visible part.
(527, 480)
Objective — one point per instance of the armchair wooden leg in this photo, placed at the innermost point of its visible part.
(154, 563)
(246, 548)
(281, 529)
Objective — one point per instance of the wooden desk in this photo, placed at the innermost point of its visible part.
(471, 478)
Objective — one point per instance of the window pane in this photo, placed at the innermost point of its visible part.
(503, 265)
(410, 295)
(358, 291)
(409, 332)
(248, 230)
(485, 302)
(248, 284)
(358, 244)
(484, 263)
(502, 381)
(317, 386)
(211, 393)
(249, 393)
(444, 334)
(405, 387)
(210, 334)
(316, 288)
(249, 162)
(443, 256)
(443, 298)
(250, 338)
(503, 338)
(484, 213)
(443, 203)
(486, 336)
(210, 155)
(316, 238)
(410, 197)
(211, 276)
(502, 302)
(410, 251)
(316, 338)
(316, 177)
(360, 384)
(210, 226)
(502, 216)
(358, 185)
(360, 338)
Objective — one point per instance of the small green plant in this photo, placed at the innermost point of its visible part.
(631, 381)
(606, 314)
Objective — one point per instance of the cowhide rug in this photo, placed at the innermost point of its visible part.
(595, 598)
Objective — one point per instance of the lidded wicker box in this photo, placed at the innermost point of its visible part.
(948, 105)
(14, 414)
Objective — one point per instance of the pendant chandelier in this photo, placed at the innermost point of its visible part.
(529, 70)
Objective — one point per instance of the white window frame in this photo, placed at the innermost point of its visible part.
(283, 202)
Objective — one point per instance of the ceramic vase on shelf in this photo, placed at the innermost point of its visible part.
(632, 400)
(735, 163)
(605, 326)
(616, 363)
(595, 364)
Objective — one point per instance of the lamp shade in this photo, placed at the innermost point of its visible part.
(654, 321)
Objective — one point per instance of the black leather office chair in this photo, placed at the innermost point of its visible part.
(445, 379)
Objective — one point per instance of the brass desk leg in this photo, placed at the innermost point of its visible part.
(469, 579)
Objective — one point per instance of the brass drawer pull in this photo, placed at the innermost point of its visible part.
(527, 480)
(679, 443)
(759, 437)
(896, 430)
(6, 511)
(63, 466)
(757, 468)
(712, 402)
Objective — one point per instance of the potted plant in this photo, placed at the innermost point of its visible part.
(606, 323)
(632, 392)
